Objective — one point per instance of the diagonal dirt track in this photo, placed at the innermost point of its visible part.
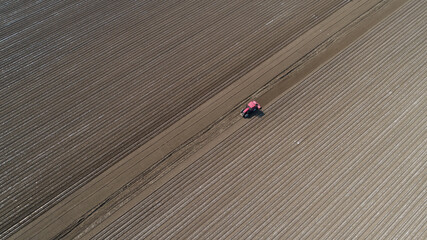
(331, 158)
(86, 83)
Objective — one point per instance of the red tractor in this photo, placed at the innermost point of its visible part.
(252, 107)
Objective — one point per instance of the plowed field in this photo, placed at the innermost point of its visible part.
(96, 93)
(86, 83)
(342, 155)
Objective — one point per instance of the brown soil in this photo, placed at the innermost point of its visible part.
(123, 100)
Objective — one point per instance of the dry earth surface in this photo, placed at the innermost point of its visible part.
(341, 155)
(85, 83)
(90, 87)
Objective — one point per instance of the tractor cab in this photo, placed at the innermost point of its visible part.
(252, 107)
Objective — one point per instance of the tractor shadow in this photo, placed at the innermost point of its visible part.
(258, 114)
